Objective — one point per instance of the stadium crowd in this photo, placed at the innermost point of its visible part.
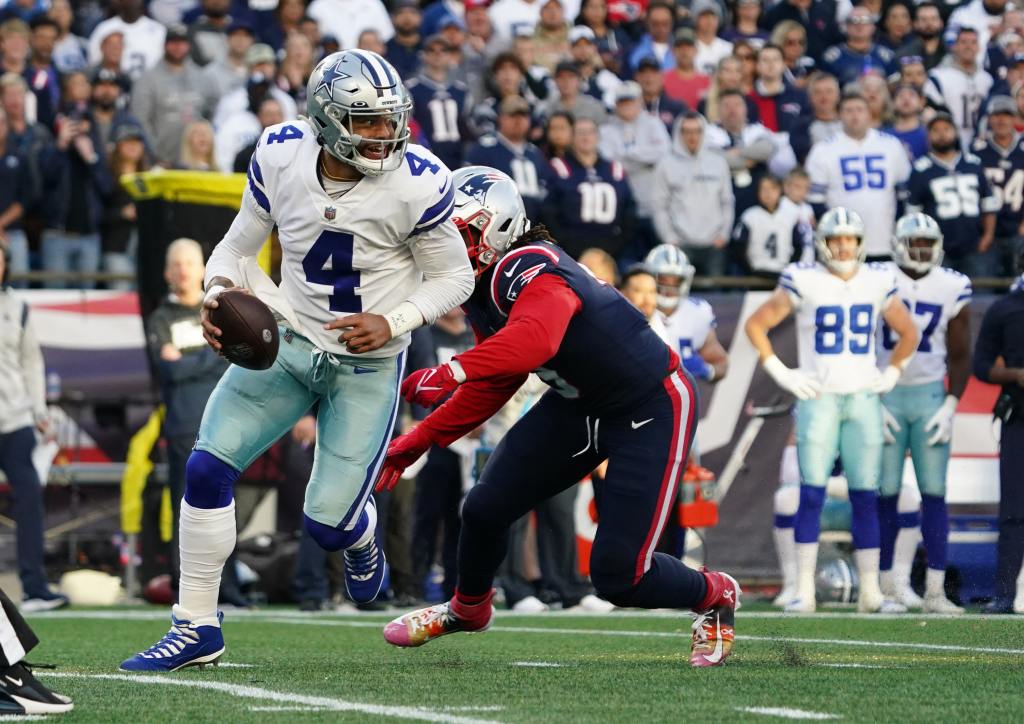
(705, 124)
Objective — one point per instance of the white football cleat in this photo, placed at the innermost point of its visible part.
(908, 597)
(940, 604)
(786, 595)
(593, 604)
(801, 605)
(879, 604)
(530, 604)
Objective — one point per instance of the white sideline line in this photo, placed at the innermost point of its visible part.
(858, 666)
(786, 713)
(286, 708)
(233, 665)
(473, 708)
(538, 664)
(255, 692)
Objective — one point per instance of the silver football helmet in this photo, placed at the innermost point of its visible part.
(673, 274)
(910, 228)
(489, 213)
(840, 222)
(348, 95)
(836, 581)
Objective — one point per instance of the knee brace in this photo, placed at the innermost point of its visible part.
(335, 539)
(209, 481)
(808, 516)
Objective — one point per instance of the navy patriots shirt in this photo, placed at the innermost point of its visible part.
(523, 162)
(956, 196)
(589, 206)
(437, 108)
(1004, 169)
(609, 358)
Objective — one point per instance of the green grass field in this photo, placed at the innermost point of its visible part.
(624, 667)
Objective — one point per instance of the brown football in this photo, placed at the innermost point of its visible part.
(248, 330)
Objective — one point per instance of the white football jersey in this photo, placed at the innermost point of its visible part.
(689, 326)
(962, 94)
(772, 239)
(836, 322)
(932, 300)
(362, 252)
(861, 176)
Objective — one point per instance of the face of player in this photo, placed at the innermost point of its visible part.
(184, 272)
(855, 117)
(770, 65)
(942, 137)
(844, 248)
(378, 127)
(642, 292)
(922, 249)
(669, 286)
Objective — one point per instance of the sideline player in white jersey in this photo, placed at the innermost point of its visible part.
(689, 321)
(369, 254)
(837, 302)
(919, 411)
(860, 169)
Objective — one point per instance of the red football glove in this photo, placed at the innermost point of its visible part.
(429, 386)
(403, 451)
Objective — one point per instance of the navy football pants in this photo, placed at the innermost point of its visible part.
(555, 445)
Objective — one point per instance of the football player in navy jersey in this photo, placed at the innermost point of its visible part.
(618, 394)
(437, 102)
(589, 202)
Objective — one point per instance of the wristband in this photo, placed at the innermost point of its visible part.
(403, 319)
(213, 292)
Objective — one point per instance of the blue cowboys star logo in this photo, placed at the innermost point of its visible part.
(331, 75)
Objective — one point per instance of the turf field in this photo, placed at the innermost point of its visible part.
(555, 667)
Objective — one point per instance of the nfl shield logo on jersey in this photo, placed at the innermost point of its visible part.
(330, 212)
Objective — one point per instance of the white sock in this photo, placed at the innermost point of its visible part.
(935, 583)
(887, 582)
(807, 567)
(1018, 601)
(903, 555)
(785, 546)
(206, 539)
(371, 527)
(867, 572)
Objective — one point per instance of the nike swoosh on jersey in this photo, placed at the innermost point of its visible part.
(512, 271)
(637, 425)
(715, 656)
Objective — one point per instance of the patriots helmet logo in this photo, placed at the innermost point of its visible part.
(477, 185)
(332, 74)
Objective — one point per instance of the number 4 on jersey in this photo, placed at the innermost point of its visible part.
(287, 133)
(334, 247)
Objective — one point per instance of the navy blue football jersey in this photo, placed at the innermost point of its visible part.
(848, 65)
(437, 108)
(524, 163)
(609, 359)
(1004, 170)
(588, 206)
(955, 196)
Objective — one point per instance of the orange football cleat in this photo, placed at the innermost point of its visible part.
(423, 625)
(713, 625)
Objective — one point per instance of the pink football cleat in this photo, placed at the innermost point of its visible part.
(713, 631)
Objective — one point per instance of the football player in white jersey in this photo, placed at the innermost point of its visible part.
(369, 254)
(689, 321)
(837, 301)
(919, 411)
(860, 169)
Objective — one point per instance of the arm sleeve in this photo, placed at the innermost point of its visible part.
(248, 231)
(447, 276)
(32, 368)
(471, 406)
(532, 335)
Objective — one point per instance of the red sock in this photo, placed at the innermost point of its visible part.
(472, 609)
(713, 582)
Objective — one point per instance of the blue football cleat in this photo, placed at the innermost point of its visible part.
(366, 572)
(188, 643)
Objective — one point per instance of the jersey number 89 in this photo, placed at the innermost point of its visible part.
(835, 331)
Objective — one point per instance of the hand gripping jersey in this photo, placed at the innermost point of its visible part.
(836, 322)
(356, 253)
(932, 300)
(609, 359)
(688, 327)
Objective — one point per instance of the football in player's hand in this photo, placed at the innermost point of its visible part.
(248, 330)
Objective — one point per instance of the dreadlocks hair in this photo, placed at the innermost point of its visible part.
(536, 233)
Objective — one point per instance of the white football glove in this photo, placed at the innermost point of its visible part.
(942, 422)
(889, 426)
(887, 380)
(802, 386)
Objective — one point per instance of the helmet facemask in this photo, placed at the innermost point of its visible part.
(474, 234)
(382, 155)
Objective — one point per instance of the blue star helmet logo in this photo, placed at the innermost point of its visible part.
(331, 75)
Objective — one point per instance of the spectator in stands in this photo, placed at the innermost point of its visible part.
(656, 42)
(28, 139)
(22, 9)
(187, 368)
(22, 413)
(119, 233)
(551, 35)
(655, 101)
(906, 124)
(912, 71)
(595, 79)
(243, 127)
(261, 61)
(745, 53)
(792, 38)
(589, 203)
(198, 148)
(684, 82)
(230, 71)
(744, 24)
(641, 289)
(729, 76)
(612, 41)
(41, 74)
(510, 17)
(1002, 157)
(557, 139)
(14, 47)
(780, 106)
(268, 114)
(693, 198)
(345, 20)
(75, 189)
(770, 234)
(876, 92)
(403, 50)
(143, 38)
(823, 94)
(638, 141)
(795, 189)
(951, 187)
(1014, 74)
(107, 108)
(896, 26)
(601, 264)
(926, 41)
(15, 187)
(537, 77)
(961, 86)
(818, 18)
(438, 102)
(481, 44)
(748, 147)
(69, 52)
(208, 32)
(507, 79)
(170, 96)
(509, 150)
(984, 16)
(568, 98)
(707, 15)
(111, 54)
(859, 54)
(287, 19)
